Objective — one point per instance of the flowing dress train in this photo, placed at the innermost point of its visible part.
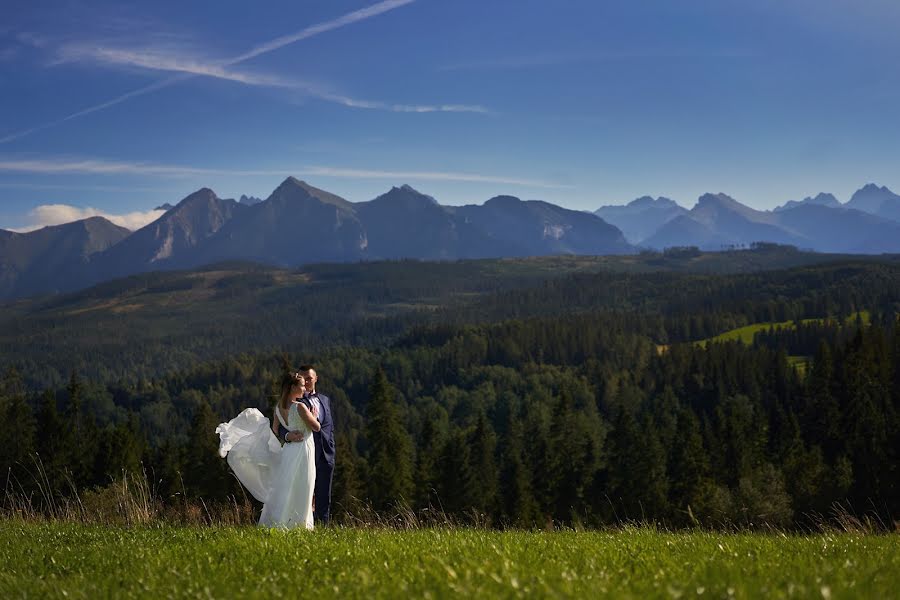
(283, 478)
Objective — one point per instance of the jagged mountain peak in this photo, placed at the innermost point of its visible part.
(407, 195)
(877, 201)
(249, 200)
(820, 199)
(651, 202)
(719, 199)
(503, 200)
(293, 188)
(203, 196)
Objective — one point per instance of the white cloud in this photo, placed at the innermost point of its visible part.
(57, 214)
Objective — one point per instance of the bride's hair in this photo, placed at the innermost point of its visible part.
(288, 380)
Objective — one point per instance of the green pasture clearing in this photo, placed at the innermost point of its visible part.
(77, 561)
(745, 334)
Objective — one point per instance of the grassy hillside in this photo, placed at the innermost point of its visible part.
(74, 561)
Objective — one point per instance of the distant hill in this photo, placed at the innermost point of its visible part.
(53, 258)
(151, 323)
(641, 218)
(821, 224)
(535, 228)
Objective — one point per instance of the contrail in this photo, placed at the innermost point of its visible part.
(138, 92)
(279, 42)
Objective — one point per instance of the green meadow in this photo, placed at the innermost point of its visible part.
(745, 334)
(56, 560)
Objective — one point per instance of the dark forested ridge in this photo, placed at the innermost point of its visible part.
(520, 391)
(148, 325)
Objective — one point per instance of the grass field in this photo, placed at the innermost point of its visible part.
(745, 334)
(78, 561)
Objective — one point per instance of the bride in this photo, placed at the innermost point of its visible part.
(282, 478)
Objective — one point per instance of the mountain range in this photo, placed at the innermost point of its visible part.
(301, 224)
(297, 224)
(868, 223)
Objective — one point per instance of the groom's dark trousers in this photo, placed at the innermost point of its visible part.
(324, 440)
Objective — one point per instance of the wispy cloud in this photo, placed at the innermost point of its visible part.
(270, 46)
(57, 214)
(99, 167)
(105, 167)
(30, 185)
(324, 171)
(175, 60)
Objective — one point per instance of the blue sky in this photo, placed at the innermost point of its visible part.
(116, 107)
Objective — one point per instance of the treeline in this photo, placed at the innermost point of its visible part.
(574, 419)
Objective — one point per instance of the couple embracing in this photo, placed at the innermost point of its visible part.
(286, 463)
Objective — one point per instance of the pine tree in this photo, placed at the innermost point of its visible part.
(822, 416)
(688, 465)
(205, 474)
(17, 429)
(390, 447)
(55, 440)
(349, 486)
(456, 483)
(431, 442)
(516, 491)
(483, 443)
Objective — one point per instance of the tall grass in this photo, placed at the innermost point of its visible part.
(132, 499)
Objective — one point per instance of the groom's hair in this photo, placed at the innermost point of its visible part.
(304, 368)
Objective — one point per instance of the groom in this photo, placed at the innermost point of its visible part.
(324, 440)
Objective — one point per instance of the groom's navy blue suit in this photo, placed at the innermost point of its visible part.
(324, 440)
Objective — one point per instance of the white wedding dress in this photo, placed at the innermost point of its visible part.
(282, 478)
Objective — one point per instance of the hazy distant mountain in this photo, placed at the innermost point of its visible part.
(821, 224)
(877, 201)
(249, 200)
(830, 229)
(641, 218)
(165, 206)
(53, 258)
(723, 221)
(819, 200)
(169, 241)
(297, 224)
(535, 228)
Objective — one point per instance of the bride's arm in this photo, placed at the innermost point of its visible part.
(308, 418)
(275, 422)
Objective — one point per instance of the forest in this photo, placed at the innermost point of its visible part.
(580, 398)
